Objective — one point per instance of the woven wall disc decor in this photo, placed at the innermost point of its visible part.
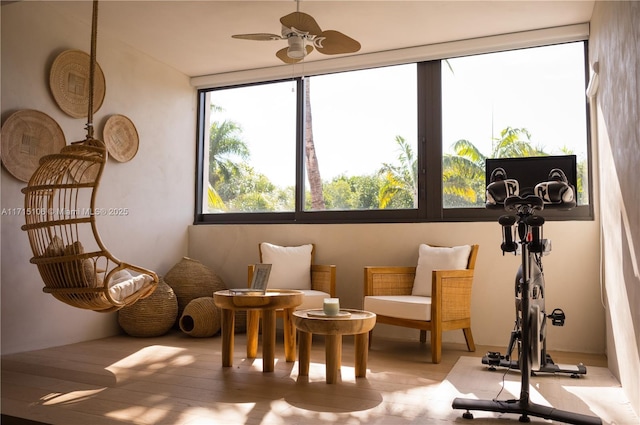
(121, 138)
(27, 136)
(69, 83)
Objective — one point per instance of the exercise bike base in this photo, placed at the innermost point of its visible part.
(525, 409)
(548, 367)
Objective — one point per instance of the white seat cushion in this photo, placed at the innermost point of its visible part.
(290, 265)
(412, 307)
(312, 299)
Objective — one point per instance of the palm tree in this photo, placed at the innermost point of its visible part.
(313, 169)
(227, 151)
(400, 179)
(582, 189)
(463, 172)
(214, 200)
(226, 148)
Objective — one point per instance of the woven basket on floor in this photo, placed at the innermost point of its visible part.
(190, 279)
(151, 316)
(201, 318)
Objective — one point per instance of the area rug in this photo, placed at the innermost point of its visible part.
(587, 395)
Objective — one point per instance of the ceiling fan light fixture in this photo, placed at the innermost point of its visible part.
(296, 48)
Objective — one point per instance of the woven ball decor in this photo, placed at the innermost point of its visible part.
(151, 316)
(201, 318)
(190, 279)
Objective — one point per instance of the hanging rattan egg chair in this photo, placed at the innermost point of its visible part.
(61, 214)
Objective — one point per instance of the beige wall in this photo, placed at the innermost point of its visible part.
(155, 186)
(615, 44)
(571, 270)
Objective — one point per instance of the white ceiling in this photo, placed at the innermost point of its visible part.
(194, 37)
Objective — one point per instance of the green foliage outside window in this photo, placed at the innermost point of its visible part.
(234, 186)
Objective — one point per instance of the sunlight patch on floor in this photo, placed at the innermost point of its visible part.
(149, 360)
(70, 397)
(601, 401)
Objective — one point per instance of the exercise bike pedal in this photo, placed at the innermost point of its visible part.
(557, 317)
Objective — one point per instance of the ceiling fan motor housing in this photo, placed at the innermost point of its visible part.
(296, 46)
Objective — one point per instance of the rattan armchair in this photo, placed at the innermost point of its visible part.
(323, 282)
(389, 289)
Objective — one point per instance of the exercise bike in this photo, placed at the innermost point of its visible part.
(529, 334)
(541, 361)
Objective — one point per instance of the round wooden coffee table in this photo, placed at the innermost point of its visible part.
(267, 304)
(349, 322)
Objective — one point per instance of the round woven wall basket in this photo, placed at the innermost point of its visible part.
(190, 279)
(69, 83)
(27, 136)
(151, 316)
(201, 318)
(121, 138)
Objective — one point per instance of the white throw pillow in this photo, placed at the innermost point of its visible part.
(290, 265)
(124, 284)
(437, 258)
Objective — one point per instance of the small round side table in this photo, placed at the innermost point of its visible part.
(267, 304)
(348, 322)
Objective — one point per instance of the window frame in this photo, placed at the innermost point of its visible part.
(429, 152)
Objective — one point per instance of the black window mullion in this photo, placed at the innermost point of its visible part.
(430, 136)
(201, 145)
(300, 149)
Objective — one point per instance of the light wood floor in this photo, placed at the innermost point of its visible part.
(176, 379)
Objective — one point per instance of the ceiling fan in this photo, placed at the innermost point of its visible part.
(303, 33)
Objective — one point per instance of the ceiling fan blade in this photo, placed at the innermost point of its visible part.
(301, 22)
(261, 36)
(282, 55)
(332, 42)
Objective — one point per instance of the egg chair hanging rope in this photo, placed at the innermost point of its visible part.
(60, 206)
(92, 68)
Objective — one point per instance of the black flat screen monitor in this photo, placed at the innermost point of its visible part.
(532, 170)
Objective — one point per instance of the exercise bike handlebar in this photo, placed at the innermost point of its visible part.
(517, 203)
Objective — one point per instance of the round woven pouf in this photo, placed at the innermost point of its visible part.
(190, 279)
(201, 318)
(151, 316)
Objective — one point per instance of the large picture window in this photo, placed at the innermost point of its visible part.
(361, 140)
(527, 102)
(250, 149)
(389, 144)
